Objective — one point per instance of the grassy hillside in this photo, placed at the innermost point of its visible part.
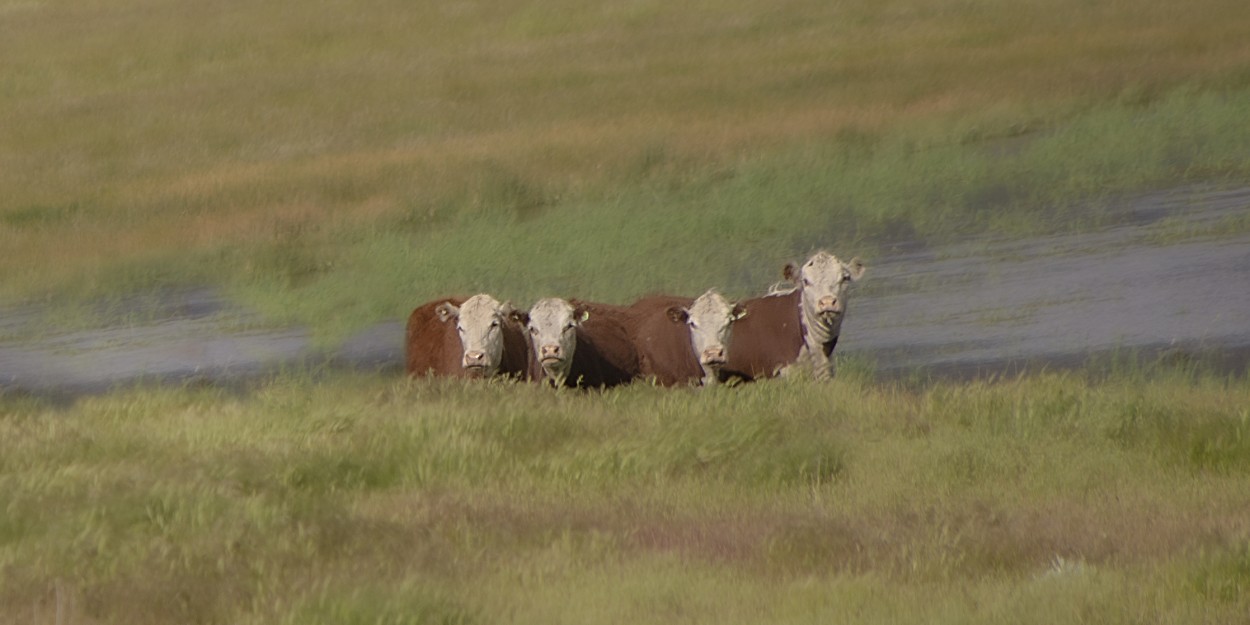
(333, 163)
(1058, 498)
(339, 163)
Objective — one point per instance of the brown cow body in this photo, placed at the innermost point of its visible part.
(768, 339)
(663, 344)
(798, 326)
(603, 356)
(432, 346)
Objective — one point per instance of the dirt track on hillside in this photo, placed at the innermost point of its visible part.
(980, 307)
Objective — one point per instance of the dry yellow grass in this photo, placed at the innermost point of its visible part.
(142, 129)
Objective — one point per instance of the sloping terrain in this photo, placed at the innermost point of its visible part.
(1166, 279)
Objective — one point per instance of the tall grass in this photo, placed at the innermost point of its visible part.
(337, 166)
(363, 499)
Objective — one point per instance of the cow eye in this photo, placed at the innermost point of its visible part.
(534, 331)
(570, 326)
(494, 324)
(807, 282)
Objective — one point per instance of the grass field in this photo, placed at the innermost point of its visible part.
(339, 165)
(1056, 498)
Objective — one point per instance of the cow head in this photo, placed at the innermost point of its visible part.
(823, 280)
(553, 326)
(710, 319)
(479, 320)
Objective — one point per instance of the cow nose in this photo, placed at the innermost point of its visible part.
(474, 357)
(550, 351)
(828, 303)
(714, 355)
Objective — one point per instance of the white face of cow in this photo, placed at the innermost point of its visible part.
(479, 320)
(710, 319)
(824, 280)
(553, 331)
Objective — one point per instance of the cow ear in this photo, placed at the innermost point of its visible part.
(580, 313)
(790, 272)
(446, 312)
(855, 269)
(738, 312)
(677, 314)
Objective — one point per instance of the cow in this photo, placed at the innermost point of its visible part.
(580, 345)
(797, 325)
(680, 340)
(474, 337)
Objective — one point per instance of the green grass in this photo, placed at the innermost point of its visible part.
(340, 166)
(736, 227)
(1054, 498)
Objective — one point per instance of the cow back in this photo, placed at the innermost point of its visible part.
(767, 339)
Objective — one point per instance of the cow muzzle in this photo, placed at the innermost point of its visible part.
(714, 357)
(474, 362)
(550, 354)
(829, 306)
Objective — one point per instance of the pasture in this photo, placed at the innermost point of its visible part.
(336, 167)
(333, 166)
(1054, 498)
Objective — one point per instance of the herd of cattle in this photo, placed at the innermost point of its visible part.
(670, 339)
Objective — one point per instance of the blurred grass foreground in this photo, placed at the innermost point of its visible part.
(1056, 498)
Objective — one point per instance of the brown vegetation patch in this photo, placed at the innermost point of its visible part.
(982, 539)
(956, 540)
(724, 539)
(506, 523)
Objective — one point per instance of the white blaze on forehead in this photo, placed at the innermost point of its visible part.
(710, 318)
(553, 330)
(480, 324)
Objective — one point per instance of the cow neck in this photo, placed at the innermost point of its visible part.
(819, 334)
